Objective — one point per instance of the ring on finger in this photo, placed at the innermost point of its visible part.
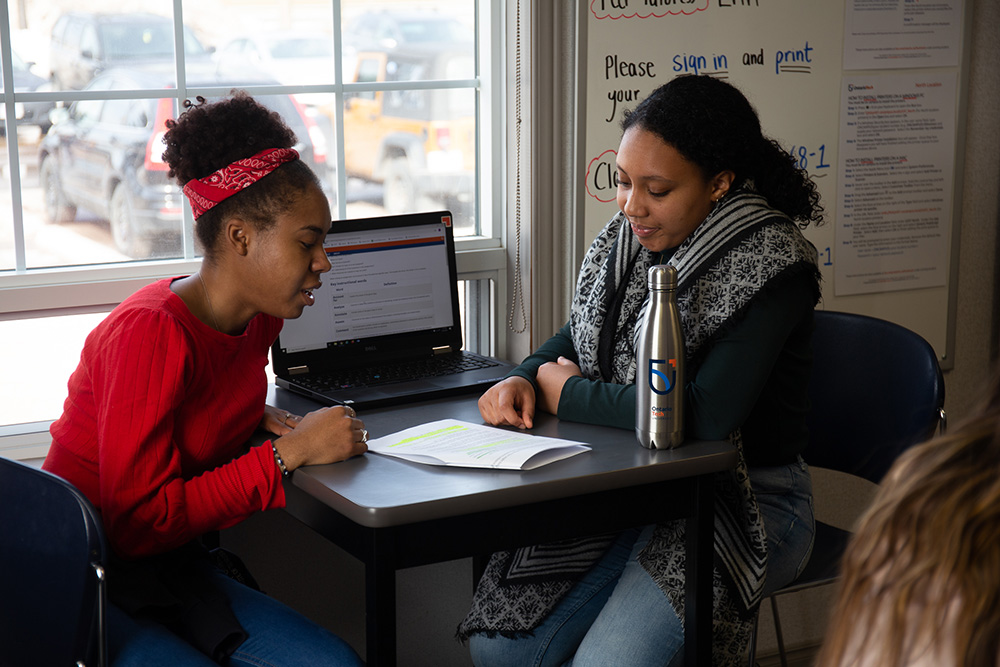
(364, 435)
(285, 420)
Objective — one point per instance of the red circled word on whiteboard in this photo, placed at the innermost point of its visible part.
(619, 9)
(602, 177)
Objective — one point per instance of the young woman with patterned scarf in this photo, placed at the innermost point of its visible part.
(701, 188)
(170, 387)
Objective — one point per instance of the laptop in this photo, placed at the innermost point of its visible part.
(385, 326)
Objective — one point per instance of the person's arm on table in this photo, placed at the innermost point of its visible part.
(728, 382)
(512, 401)
(150, 500)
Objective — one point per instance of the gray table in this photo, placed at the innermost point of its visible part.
(392, 514)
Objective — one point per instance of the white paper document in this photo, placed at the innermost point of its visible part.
(450, 442)
(896, 163)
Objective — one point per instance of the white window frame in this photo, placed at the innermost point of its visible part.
(59, 291)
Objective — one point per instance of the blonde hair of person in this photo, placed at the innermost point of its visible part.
(920, 583)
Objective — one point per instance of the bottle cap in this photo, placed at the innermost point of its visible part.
(662, 276)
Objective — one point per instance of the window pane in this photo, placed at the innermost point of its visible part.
(67, 176)
(419, 146)
(93, 188)
(28, 78)
(275, 42)
(83, 44)
(30, 120)
(7, 258)
(284, 57)
(395, 27)
(410, 149)
(99, 174)
(46, 349)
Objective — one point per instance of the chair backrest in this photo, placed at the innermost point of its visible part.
(52, 554)
(876, 389)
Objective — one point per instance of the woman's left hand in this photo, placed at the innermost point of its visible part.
(550, 379)
(278, 421)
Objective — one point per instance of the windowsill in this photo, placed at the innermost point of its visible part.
(25, 441)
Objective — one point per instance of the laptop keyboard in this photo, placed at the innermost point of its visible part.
(396, 372)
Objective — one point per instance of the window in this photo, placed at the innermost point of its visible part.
(391, 101)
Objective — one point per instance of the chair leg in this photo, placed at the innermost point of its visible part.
(777, 632)
(102, 614)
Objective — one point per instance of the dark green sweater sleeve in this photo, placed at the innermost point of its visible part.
(592, 402)
(560, 345)
(728, 383)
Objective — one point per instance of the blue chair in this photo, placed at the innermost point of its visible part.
(52, 555)
(876, 390)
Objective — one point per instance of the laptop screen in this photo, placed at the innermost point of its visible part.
(392, 280)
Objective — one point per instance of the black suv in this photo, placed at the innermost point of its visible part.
(106, 156)
(84, 44)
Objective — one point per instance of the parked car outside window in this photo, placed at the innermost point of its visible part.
(106, 156)
(84, 44)
(419, 144)
(391, 29)
(27, 113)
(293, 57)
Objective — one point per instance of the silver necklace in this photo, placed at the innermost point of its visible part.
(210, 306)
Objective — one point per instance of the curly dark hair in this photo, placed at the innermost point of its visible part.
(207, 136)
(713, 125)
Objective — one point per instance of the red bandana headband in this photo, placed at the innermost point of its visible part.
(204, 193)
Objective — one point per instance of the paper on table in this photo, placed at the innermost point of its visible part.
(450, 442)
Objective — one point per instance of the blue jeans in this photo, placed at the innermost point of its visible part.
(617, 615)
(784, 495)
(278, 637)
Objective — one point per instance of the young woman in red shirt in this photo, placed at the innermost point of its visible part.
(171, 385)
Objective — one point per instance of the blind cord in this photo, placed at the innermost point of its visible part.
(517, 298)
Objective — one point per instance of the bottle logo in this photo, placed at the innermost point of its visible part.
(665, 380)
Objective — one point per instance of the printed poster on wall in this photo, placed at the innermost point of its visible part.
(896, 173)
(888, 34)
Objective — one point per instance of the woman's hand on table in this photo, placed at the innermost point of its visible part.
(551, 378)
(327, 435)
(510, 402)
(278, 421)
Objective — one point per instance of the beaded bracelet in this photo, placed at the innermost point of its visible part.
(277, 459)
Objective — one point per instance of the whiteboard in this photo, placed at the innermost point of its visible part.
(787, 57)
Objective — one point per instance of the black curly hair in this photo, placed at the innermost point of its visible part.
(713, 125)
(207, 136)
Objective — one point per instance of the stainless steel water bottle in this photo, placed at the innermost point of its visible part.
(659, 373)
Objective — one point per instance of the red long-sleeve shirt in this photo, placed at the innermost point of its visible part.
(153, 431)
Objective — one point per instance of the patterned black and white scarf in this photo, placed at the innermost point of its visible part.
(743, 247)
